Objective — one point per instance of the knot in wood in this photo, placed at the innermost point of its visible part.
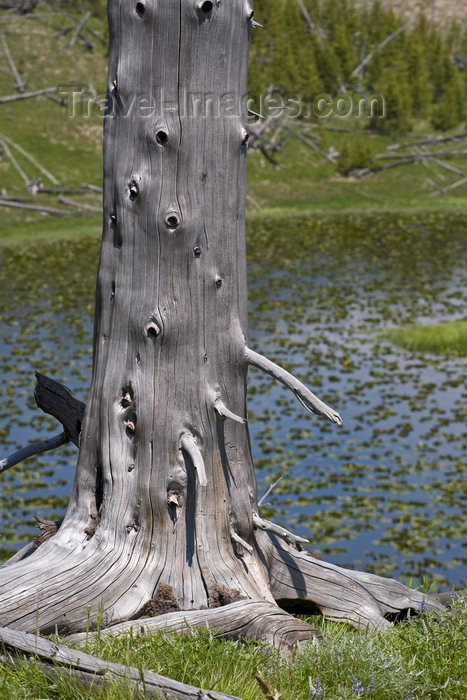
(125, 400)
(172, 221)
(205, 7)
(152, 330)
(162, 137)
(134, 190)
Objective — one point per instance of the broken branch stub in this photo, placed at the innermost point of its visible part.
(35, 448)
(308, 400)
(56, 400)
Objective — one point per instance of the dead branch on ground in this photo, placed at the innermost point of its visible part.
(28, 95)
(18, 80)
(78, 30)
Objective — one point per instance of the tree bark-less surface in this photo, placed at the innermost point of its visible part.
(163, 514)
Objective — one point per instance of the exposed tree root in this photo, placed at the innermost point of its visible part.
(299, 582)
(245, 619)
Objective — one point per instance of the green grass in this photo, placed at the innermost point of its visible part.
(420, 658)
(300, 179)
(50, 229)
(447, 338)
(295, 180)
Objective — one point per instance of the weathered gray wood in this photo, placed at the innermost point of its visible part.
(245, 619)
(169, 345)
(429, 141)
(33, 207)
(78, 30)
(27, 95)
(281, 532)
(91, 188)
(380, 46)
(35, 448)
(6, 50)
(30, 158)
(77, 663)
(78, 205)
(363, 172)
(298, 579)
(422, 155)
(55, 399)
(449, 166)
(38, 188)
(270, 489)
(407, 159)
(21, 554)
(307, 17)
(163, 512)
(303, 394)
(14, 162)
(453, 186)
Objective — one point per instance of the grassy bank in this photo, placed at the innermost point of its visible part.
(63, 133)
(420, 658)
(448, 338)
(296, 184)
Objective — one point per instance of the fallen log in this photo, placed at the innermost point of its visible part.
(420, 156)
(77, 205)
(408, 159)
(448, 166)
(78, 29)
(91, 670)
(14, 162)
(40, 189)
(6, 50)
(27, 95)
(453, 186)
(30, 158)
(428, 141)
(33, 207)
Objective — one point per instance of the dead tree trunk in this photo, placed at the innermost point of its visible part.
(163, 513)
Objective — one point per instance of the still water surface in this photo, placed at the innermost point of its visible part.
(385, 492)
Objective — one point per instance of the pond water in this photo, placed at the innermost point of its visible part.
(386, 491)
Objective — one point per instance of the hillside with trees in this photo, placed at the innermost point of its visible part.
(405, 73)
(316, 47)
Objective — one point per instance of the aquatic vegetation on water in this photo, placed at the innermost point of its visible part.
(387, 491)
